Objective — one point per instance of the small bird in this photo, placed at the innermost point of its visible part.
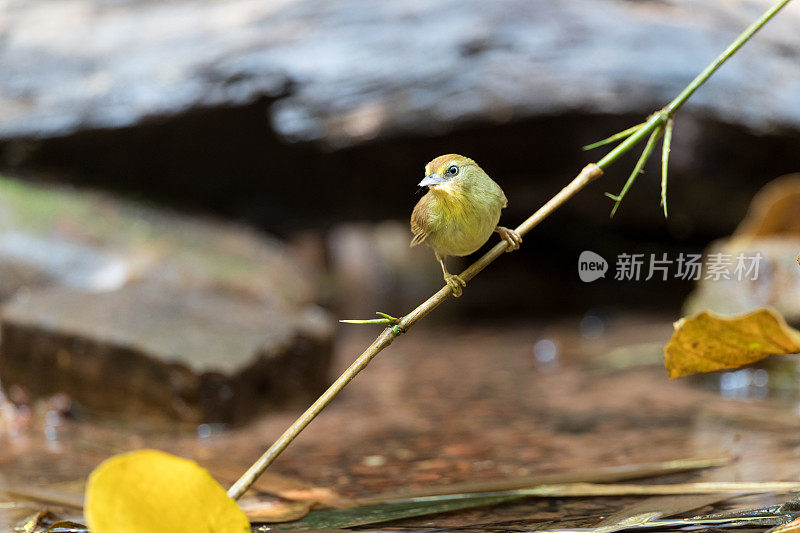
(459, 212)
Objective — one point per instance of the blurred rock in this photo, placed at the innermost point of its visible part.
(17, 275)
(348, 71)
(771, 229)
(134, 311)
(774, 211)
(195, 355)
(374, 269)
(89, 241)
(777, 285)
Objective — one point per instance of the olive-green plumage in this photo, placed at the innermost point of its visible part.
(459, 212)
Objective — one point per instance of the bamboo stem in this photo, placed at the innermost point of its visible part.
(586, 176)
(247, 479)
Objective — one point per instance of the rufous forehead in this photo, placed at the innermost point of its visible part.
(444, 161)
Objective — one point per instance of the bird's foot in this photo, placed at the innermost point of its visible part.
(511, 237)
(455, 283)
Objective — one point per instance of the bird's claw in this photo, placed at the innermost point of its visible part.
(512, 238)
(456, 283)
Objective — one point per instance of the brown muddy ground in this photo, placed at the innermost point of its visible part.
(454, 403)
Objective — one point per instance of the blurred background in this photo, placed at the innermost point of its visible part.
(194, 191)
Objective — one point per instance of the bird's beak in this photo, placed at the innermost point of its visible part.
(431, 179)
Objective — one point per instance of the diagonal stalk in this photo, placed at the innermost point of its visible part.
(586, 176)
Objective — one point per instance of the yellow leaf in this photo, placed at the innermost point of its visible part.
(706, 342)
(148, 491)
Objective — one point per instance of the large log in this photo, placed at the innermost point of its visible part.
(352, 70)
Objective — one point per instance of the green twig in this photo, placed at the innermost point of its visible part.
(386, 320)
(615, 137)
(663, 116)
(665, 163)
(648, 149)
(378, 321)
(587, 175)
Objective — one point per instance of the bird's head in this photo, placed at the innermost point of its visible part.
(451, 172)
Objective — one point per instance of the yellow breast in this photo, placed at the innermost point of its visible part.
(460, 224)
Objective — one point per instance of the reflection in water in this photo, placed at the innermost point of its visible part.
(545, 352)
(774, 377)
(745, 383)
(204, 431)
(592, 326)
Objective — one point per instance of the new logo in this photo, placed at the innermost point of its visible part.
(591, 266)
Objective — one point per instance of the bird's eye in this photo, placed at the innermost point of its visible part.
(452, 171)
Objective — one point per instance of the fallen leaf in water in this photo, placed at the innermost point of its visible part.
(273, 510)
(317, 495)
(603, 474)
(46, 522)
(771, 515)
(283, 486)
(65, 526)
(663, 505)
(149, 490)
(791, 527)
(36, 523)
(706, 342)
(423, 506)
(582, 490)
(387, 512)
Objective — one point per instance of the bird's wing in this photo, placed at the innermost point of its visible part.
(419, 222)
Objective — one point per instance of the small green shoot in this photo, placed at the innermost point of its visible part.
(617, 136)
(385, 320)
(665, 163)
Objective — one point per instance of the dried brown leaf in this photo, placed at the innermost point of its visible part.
(588, 490)
(665, 506)
(283, 486)
(273, 511)
(706, 342)
(603, 474)
(791, 527)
